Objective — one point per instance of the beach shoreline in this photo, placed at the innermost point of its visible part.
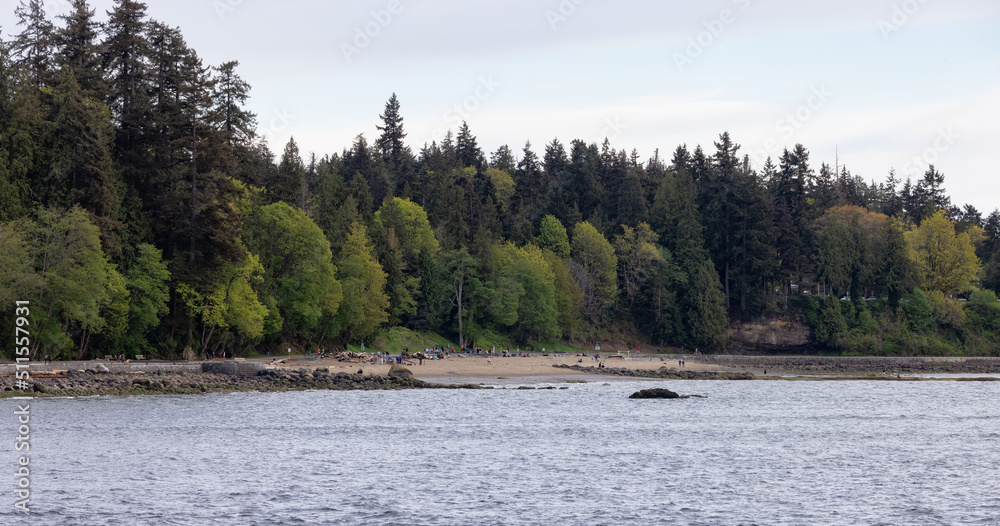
(462, 370)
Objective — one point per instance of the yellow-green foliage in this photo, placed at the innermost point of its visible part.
(528, 268)
(503, 184)
(365, 304)
(230, 302)
(409, 227)
(945, 262)
(598, 277)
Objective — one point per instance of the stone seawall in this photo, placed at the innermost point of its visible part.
(847, 364)
(233, 368)
(230, 368)
(113, 367)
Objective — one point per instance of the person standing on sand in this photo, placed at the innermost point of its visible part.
(489, 360)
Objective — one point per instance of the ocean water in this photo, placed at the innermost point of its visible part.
(749, 453)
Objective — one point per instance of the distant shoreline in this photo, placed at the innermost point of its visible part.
(464, 371)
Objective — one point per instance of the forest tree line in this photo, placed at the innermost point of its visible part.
(141, 212)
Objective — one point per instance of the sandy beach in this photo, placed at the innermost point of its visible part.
(466, 366)
(464, 371)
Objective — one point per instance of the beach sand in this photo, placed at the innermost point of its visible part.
(472, 367)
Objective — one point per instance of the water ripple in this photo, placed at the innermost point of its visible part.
(750, 453)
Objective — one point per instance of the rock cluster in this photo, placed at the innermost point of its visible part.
(655, 393)
(95, 382)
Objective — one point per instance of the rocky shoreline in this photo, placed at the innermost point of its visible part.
(831, 368)
(97, 382)
(666, 373)
(857, 365)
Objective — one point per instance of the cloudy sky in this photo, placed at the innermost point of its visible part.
(886, 83)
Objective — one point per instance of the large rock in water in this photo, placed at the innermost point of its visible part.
(398, 371)
(655, 393)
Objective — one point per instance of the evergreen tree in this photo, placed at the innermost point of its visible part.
(34, 44)
(793, 214)
(719, 191)
(701, 319)
(831, 323)
(359, 162)
(191, 200)
(390, 144)
(125, 62)
(78, 49)
(503, 159)
(930, 195)
(289, 185)
(333, 207)
(466, 149)
(555, 164)
(82, 159)
(632, 199)
(229, 114)
(21, 123)
(530, 185)
(584, 172)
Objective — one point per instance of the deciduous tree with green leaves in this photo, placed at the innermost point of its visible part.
(596, 270)
(299, 275)
(944, 261)
(365, 304)
(552, 236)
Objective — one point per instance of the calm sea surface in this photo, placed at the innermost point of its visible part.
(749, 453)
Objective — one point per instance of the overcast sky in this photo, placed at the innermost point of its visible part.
(887, 83)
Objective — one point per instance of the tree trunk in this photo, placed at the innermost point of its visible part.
(461, 335)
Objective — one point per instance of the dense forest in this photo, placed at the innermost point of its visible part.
(141, 213)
